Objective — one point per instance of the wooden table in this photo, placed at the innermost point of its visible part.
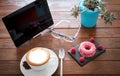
(107, 35)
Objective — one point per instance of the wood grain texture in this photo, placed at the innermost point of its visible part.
(107, 64)
(13, 67)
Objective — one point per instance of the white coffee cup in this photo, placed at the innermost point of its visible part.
(38, 58)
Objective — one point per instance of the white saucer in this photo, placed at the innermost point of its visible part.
(48, 71)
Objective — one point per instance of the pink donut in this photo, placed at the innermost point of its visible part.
(87, 49)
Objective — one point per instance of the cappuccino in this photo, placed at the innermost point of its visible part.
(38, 58)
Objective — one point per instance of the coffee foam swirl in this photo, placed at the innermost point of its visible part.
(38, 56)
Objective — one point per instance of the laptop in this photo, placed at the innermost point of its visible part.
(28, 21)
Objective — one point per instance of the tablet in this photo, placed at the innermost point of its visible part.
(28, 21)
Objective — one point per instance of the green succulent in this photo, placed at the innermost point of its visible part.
(91, 5)
(75, 11)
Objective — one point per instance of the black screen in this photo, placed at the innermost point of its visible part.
(28, 21)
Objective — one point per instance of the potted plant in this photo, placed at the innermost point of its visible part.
(90, 10)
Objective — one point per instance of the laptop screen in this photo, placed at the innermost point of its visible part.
(28, 21)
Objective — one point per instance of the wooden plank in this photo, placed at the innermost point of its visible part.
(74, 24)
(113, 7)
(9, 7)
(69, 7)
(93, 32)
(11, 74)
(58, 43)
(106, 42)
(99, 31)
(57, 5)
(7, 43)
(89, 75)
(25, 1)
(67, 75)
(10, 67)
(109, 55)
(99, 67)
(3, 31)
(17, 54)
(112, 1)
(67, 15)
(68, 4)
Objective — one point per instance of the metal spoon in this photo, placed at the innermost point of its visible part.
(61, 56)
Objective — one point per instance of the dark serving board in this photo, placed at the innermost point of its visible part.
(77, 55)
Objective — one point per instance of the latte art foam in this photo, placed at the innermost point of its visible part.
(38, 56)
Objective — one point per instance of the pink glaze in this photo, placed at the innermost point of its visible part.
(87, 49)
